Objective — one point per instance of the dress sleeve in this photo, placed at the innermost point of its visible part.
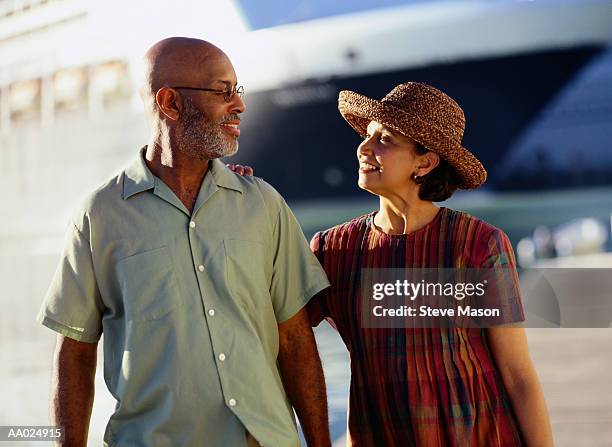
(503, 292)
(317, 307)
(73, 306)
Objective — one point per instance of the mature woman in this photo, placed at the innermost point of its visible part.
(454, 386)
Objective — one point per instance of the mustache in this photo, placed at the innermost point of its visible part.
(229, 117)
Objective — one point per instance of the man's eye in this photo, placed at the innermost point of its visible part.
(385, 139)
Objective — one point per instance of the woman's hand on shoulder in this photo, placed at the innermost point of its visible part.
(240, 169)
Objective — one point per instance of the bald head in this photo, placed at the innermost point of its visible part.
(181, 61)
(185, 90)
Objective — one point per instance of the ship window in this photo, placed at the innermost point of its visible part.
(9, 8)
(111, 82)
(3, 110)
(24, 100)
(70, 89)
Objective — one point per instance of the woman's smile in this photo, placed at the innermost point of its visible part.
(366, 167)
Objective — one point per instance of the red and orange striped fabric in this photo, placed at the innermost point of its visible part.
(417, 387)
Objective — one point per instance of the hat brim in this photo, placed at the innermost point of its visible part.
(358, 110)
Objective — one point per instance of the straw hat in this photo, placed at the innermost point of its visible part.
(424, 114)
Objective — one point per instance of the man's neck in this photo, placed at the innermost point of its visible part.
(181, 173)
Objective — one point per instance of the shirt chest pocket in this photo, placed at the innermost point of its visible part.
(148, 285)
(248, 272)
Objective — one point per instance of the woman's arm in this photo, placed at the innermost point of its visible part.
(511, 354)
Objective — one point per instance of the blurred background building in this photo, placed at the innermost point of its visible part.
(533, 77)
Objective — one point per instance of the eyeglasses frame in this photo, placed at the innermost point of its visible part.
(228, 95)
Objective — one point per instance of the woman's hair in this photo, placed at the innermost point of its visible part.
(440, 183)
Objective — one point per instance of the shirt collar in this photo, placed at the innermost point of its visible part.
(223, 177)
(138, 177)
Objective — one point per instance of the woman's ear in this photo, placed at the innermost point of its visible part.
(427, 163)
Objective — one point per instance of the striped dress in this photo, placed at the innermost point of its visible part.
(416, 387)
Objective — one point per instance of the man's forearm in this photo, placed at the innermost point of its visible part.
(72, 390)
(305, 385)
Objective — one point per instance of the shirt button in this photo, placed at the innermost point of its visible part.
(201, 267)
(232, 402)
(222, 357)
(211, 312)
(192, 224)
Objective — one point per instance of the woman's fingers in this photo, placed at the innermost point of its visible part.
(240, 169)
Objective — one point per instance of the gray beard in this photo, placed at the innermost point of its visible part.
(202, 138)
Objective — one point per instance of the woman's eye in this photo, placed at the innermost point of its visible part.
(382, 138)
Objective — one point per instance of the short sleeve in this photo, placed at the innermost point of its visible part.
(317, 306)
(500, 263)
(72, 305)
(297, 275)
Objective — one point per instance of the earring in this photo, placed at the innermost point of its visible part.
(417, 179)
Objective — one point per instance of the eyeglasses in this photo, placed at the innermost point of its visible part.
(228, 94)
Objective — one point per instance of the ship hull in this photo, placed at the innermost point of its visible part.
(295, 138)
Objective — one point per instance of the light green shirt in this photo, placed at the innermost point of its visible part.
(189, 305)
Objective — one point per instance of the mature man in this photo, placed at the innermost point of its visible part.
(196, 276)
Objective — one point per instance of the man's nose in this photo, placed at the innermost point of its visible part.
(237, 105)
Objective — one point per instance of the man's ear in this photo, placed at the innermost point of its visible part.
(169, 103)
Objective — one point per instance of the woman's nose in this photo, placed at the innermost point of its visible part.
(365, 148)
